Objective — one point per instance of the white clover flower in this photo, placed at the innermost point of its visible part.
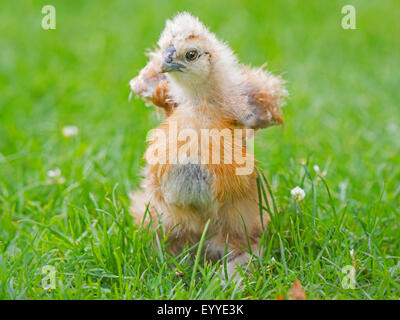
(70, 131)
(317, 169)
(55, 177)
(53, 174)
(298, 194)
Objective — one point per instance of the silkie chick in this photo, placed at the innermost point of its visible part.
(192, 177)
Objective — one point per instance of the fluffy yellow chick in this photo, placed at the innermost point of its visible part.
(200, 84)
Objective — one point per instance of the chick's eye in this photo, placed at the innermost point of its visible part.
(191, 55)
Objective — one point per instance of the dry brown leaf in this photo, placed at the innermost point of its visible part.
(297, 292)
(280, 297)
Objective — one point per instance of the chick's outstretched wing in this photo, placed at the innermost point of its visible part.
(152, 86)
(265, 94)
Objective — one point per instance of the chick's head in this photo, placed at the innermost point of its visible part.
(191, 54)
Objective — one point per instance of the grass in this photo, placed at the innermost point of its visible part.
(343, 115)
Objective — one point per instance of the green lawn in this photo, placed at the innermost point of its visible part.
(343, 115)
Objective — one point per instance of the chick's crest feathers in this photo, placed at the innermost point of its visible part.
(182, 27)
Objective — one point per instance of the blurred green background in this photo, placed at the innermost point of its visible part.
(343, 113)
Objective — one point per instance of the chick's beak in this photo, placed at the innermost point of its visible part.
(173, 66)
(168, 65)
